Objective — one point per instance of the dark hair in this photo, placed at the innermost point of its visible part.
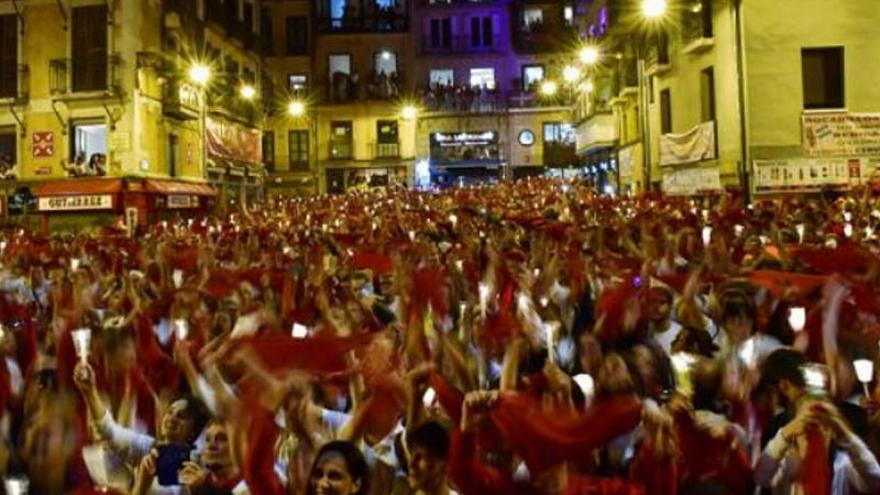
(737, 304)
(783, 364)
(707, 380)
(431, 436)
(197, 411)
(354, 462)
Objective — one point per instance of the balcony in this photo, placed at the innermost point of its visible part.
(463, 100)
(181, 100)
(597, 131)
(344, 90)
(385, 151)
(85, 76)
(341, 150)
(457, 45)
(378, 23)
(14, 82)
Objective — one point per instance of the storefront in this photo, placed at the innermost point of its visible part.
(463, 158)
(340, 180)
(70, 202)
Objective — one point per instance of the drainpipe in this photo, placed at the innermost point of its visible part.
(744, 171)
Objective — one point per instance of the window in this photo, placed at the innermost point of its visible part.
(706, 16)
(231, 7)
(8, 149)
(482, 34)
(297, 83)
(442, 77)
(386, 142)
(298, 149)
(89, 48)
(385, 61)
(707, 94)
(173, 152)
(533, 18)
(665, 111)
(248, 16)
(266, 31)
(568, 14)
(8, 56)
(340, 140)
(559, 144)
(297, 35)
(531, 76)
(483, 77)
(337, 12)
(89, 144)
(339, 64)
(822, 70)
(269, 150)
(697, 20)
(441, 33)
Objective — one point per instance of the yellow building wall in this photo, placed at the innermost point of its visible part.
(775, 34)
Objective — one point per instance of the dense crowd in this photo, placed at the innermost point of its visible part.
(524, 338)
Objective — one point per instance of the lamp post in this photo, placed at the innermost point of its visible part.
(200, 75)
(652, 11)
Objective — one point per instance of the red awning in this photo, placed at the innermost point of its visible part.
(175, 187)
(78, 187)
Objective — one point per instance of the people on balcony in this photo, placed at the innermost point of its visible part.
(380, 86)
(95, 167)
(461, 98)
(8, 168)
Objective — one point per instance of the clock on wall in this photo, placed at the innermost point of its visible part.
(526, 138)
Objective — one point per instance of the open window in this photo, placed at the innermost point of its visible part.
(88, 155)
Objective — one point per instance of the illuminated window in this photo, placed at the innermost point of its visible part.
(531, 76)
(442, 77)
(483, 77)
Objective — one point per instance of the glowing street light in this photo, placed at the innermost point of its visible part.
(589, 55)
(200, 74)
(247, 92)
(548, 88)
(652, 9)
(571, 74)
(409, 112)
(296, 109)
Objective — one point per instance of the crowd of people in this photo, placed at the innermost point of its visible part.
(529, 337)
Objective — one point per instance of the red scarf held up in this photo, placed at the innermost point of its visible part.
(815, 473)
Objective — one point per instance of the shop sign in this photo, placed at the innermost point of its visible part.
(464, 138)
(74, 203)
(179, 201)
(809, 173)
(43, 144)
(695, 145)
(841, 134)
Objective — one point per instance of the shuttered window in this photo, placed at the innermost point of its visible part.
(8, 56)
(89, 48)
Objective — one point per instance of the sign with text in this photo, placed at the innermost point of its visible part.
(76, 203)
(43, 144)
(803, 174)
(692, 181)
(841, 134)
(181, 201)
(695, 145)
(464, 146)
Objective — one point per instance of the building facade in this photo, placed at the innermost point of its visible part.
(767, 97)
(100, 115)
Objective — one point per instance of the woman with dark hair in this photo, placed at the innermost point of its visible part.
(339, 469)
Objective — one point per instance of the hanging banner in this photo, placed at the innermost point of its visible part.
(692, 181)
(810, 174)
(234, 142)
(841, 134)
(696, 145)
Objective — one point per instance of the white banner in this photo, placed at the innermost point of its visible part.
(74, 203)
(809, 173)
(841, 134)
(179, 201)
(696, 145)
(626, 160)
(692, 181)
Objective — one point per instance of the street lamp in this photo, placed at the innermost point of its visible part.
(548, 88)
(247, 91)
(200, 74)
(571, 74)
(589, 55)
(296, 108)
(654, 9)
(409, 112)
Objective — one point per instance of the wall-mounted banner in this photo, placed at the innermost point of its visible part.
(234, 142)
(841, 134)
(692, 181)
(804, 174)
(76, 203)
(695, 145)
